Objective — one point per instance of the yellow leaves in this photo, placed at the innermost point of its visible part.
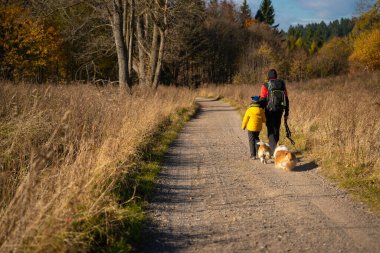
(266, 54)
(27, 44)
(331, 59)
(366, 41)
(299, 43)
(368, 20)
(265, 50)
(298, 66)
(313, 48)
(366, 52)
(336, 47)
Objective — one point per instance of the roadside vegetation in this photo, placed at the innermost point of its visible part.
(69, 162)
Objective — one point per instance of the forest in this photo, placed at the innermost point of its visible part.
(185, 43)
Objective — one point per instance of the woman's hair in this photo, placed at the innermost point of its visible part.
(272, 74)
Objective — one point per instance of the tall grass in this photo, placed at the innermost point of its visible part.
(63, 151)
(337, 122)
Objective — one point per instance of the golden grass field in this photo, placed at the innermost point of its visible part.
(336, 121)
(63, 149)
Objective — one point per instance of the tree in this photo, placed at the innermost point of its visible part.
(213, 8)
(316, 34)
(368, 20)
(366, 40)
(138, 28)
(223, 43)
(313, 48)
(29, 47)
(151, 31)
(299, 43)
(297, 65)
(363, 6)
(332, 58)
(186, 44)
(259, 16)
(366, 52)
(245, 13)
(266, 12)
(228, 12)
(261, 49)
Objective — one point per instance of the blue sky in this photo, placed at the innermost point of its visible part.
(292, 12)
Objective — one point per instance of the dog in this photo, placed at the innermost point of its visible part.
(263, 152)
(284, 159)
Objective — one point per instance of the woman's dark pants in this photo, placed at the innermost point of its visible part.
(273, 127)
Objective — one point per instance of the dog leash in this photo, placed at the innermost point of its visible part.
(289, 133)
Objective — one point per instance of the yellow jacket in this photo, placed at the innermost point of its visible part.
(254, 118)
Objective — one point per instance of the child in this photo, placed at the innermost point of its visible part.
(253, 120)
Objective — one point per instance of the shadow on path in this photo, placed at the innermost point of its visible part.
(306, 167)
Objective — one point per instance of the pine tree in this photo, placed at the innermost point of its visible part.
(266, 12)
(259, 16)
(245, 13)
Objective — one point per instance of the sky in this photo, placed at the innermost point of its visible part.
(293, 12)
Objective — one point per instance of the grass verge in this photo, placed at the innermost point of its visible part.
(135, 188)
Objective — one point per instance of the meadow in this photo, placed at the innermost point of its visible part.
(64, 151)
(335, 123)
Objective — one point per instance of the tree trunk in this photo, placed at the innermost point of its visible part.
(159, 59)
(141, 59)
(153, 55)
(130, 40)
(121, 50)
(150, 33)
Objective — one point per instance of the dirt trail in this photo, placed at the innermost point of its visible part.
(211, 197)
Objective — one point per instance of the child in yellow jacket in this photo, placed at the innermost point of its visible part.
(253, 121)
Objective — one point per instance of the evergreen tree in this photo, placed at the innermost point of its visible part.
(266, 12)
(259, 16)
(245, 13)
(319, 33)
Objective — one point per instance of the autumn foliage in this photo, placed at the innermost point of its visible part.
(366, 53)
(29, 47)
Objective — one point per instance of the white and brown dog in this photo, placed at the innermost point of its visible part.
(263, 152)
(284, 159)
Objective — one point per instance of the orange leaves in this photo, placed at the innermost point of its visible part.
(249, 22)
(27, 44)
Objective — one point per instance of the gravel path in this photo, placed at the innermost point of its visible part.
(210, 197)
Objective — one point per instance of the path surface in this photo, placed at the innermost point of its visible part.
(211, 198)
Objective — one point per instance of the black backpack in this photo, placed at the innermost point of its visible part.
(276, 100)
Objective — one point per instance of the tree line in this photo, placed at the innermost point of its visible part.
(313, 36)
(182, 42)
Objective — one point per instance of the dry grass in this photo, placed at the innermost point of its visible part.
(62, 150)
(336, 120)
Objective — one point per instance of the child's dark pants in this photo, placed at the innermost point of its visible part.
(253, 140)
